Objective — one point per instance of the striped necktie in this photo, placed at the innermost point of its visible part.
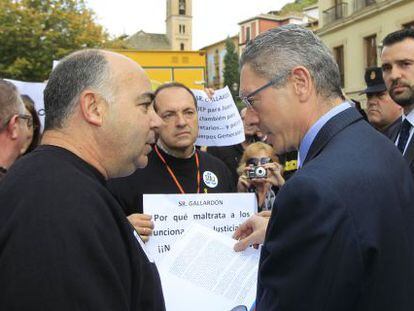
(404, 134)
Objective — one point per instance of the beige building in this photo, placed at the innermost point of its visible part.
(215, 61)
(179, 31)
(354, 30)
(179, 24)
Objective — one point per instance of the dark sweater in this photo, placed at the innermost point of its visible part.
(156, 179)
(65, 243)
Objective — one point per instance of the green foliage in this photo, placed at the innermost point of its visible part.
(33, 33)
(231, 67)
(117, 43)
(296, 6)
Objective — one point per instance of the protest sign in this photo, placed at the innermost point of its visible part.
(35, 91)
(203, 273)
(173, 213)
(219, 121)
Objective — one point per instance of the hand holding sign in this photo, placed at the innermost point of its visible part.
(142, 224)
(251, 232)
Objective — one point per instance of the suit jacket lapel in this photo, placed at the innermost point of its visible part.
(409, 153)
(330, 129)
(392, 131)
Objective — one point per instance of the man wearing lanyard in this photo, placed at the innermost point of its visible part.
(175, 165)
(398, 70)
(343, 235)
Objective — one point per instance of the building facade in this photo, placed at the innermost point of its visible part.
(215, 62)
(252, 27)
(179, 24)
(354, 30)
(179, 31)
(187, 67)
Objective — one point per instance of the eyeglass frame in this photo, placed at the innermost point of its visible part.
(23, 116)
(258, 161)
(27, 117)
(246, 99)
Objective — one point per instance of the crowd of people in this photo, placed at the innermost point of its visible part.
(337, 230)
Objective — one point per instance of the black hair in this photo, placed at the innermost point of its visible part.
(172, 85)
(398, 36)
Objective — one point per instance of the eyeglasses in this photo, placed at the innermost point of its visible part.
(28, 118)
(247, 100)
(258, 161)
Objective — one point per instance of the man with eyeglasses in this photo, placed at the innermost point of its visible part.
(342, 236)
(14, 125)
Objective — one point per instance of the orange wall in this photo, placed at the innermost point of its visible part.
(266, 25)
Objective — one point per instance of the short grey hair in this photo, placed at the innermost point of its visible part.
(86, 69)
(10, 102)
(277, 51)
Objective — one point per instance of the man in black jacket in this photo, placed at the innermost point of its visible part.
(65, 243)
(175, 165)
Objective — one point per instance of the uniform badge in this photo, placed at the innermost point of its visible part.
(210, 179)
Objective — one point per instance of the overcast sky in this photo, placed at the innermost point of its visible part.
(213, 20)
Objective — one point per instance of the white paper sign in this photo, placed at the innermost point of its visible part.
(204, 273)
(35, 92)
(173, 213)
(219, 121)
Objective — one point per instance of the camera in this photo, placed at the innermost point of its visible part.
(256, 172)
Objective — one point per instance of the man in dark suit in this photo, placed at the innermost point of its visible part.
(383, 113)
(342, 236)
(398, 70)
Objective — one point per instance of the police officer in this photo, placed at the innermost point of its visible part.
(383, 113)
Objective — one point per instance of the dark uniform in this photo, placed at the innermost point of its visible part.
(215, 177)
(65, 243)
(375, 84)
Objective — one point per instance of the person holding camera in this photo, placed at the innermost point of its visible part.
(260, 172)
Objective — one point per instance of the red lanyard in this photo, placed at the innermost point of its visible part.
(173, 175)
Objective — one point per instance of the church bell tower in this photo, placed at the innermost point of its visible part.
(179, 24)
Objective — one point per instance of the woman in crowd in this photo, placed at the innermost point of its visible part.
(33, 139)
(260, 172)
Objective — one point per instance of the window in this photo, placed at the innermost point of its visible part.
(370, 45)
(339, 57)
(247, 34)
(409, 25)
(181, 7)
(181, 29)
(182, 46)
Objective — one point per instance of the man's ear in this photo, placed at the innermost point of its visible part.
(92, 107)
(302, 82)
(13, 127)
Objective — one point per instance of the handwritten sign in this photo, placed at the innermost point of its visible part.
(219, 121)
(173, 213)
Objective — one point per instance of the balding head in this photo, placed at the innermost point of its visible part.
(86, 69)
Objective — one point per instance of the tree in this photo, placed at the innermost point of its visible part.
(33, 33)
(231, 67)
